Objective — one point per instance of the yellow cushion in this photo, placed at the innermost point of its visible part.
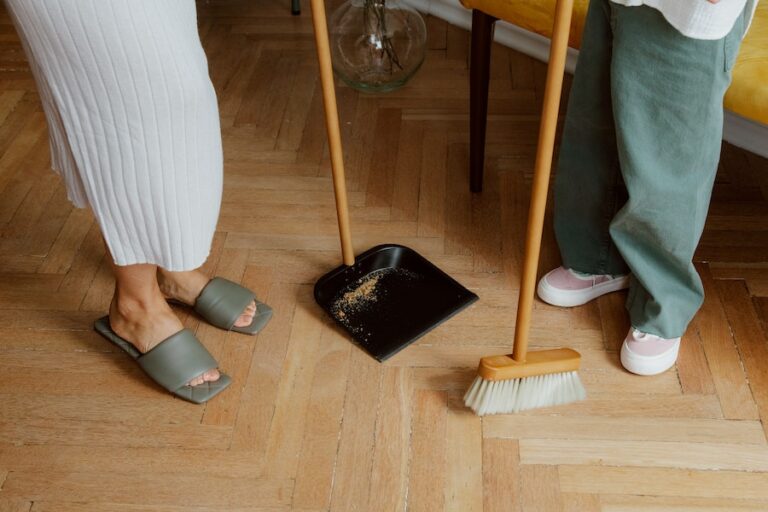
(748, 94)
(535, 15)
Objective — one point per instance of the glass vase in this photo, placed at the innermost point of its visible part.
(377, 45)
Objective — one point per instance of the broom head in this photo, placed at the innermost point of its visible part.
(547, 377)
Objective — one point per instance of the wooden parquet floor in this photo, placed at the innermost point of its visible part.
(312, 423)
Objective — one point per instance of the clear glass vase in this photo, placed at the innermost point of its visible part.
(377, 45)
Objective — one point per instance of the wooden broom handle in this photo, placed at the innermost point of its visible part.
(552, 92)
(332, 127)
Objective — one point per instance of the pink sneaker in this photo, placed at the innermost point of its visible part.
(646, 354)
(565, 287)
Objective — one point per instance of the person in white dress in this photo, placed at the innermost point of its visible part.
(134, 132)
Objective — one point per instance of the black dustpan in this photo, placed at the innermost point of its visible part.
(390, 295)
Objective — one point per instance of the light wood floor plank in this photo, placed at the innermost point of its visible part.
(581, 502)
(7, 505)
(704, 456)
(59, 506)
(428, 470)
(389, 471)
(624, 428)
(75, 432)
(632, 503)
(189, 489)
(152, 458)
(316, 467)
(260, 388)
(540, 489)
(750, 340)
(722, 356)
(501, 475)
(692, 368)
(352, 478)
(293, 395)
(663, 482)
(464, 462)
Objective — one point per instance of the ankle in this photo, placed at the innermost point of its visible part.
(144, 321)
(167, 283)
(132, 307)
(184, 286)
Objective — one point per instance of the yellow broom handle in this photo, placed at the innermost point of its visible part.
(332, 127)
(552, 91)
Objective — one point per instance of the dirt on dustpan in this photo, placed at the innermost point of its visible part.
(359, 298)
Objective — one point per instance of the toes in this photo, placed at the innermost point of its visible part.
(209, 376)
(246, 318)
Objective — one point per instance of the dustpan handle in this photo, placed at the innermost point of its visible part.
(552, 92)
(332, 127)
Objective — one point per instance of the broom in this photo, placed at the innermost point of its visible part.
(526, 380)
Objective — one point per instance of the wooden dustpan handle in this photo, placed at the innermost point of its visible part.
(552, 92)
(332, 127)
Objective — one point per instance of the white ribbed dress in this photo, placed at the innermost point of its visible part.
(133, 120)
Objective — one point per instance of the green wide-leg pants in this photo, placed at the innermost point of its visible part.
(638, 158)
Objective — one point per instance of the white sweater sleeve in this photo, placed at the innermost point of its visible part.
(698, 19)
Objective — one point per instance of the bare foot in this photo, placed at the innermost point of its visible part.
(186, 287)
(146, 325)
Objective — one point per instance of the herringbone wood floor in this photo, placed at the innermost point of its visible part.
(312, 423)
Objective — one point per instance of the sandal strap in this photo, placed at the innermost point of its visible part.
(222, 302)
(177, 360)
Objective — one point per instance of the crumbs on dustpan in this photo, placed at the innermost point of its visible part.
(360, 297)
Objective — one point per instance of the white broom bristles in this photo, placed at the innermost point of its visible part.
(513, 395)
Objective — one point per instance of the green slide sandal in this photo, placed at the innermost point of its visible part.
(221, 303)
(173, 362)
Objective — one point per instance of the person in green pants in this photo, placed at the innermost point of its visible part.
(638, 158)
